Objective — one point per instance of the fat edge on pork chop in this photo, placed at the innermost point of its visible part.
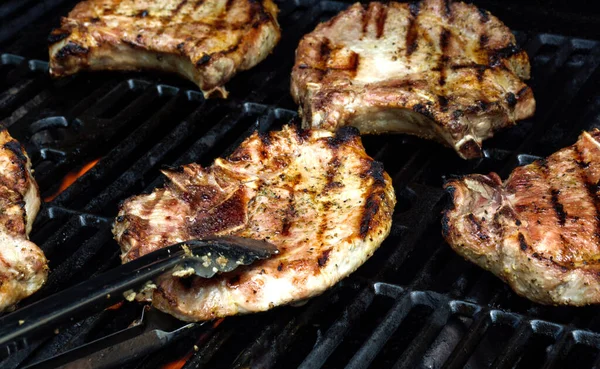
(207, 42)
(315, 194)
(539, 231)
(442, 70)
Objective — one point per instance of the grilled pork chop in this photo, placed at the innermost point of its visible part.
(23, 267)
(437, 69)
(315, 194)
(540, 230)
(205, 41)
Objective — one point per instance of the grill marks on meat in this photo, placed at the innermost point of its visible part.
(23, 267)
(541, 228)
(207, 42)
(315, 194)
(441, 70)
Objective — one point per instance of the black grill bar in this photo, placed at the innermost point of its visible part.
(514, 349)
(422, 342)
(325, 346)
(381, 335)
(465, 347)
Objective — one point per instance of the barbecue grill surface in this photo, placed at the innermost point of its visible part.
(413, 304)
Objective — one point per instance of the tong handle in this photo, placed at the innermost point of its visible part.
(90, 296)
(106, 289)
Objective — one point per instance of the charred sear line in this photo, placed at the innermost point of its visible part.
(412, 31)
(58, 35)
(381, 21)
(15, 147)
(343, 135)
(478, 228)
(302, 134)
(71, 49)
(444, 41)
(591, 188)
(484, 16)
(166, 295)
(511, 99)
(542, 164)
(134, 45)
(443, 101)
(353, 64)
(231, 49)
(325, 51)
(481, 72)
(203, 60)
(370, 210)
(323, 222)
(422, 109)
(446, 227)
(332, 170)
(583, 165)
(178, 7)
(450, 190)
(414, 8)
(497, 56)
(373, 179)
(522, 91)
(481, 106)
(256, 8)
(265, 138)
(149, 207)
(447, 8)
(365, 19)
(483, 40)
(558, 207)
(234, 280)
(229, 214)
(480, 68)
(290, 214)
(376, 172)
(471, 149)
(522, 242)
(322, 260)
(170, 168)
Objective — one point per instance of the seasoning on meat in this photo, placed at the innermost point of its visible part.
(442, 70)
(315, 194)
(207, 42)
(23, 266)
(539, 231)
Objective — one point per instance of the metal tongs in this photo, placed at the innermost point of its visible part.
(196, 257)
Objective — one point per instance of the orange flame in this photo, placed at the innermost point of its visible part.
(116, 306)
(179, 363)
(71, 177)
(217, 323)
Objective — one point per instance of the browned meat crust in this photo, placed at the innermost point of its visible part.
(315, 194)
(23, 267)
(207, 42)
(437, 69)
(540, 230)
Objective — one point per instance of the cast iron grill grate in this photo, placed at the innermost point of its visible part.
(413, 304)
